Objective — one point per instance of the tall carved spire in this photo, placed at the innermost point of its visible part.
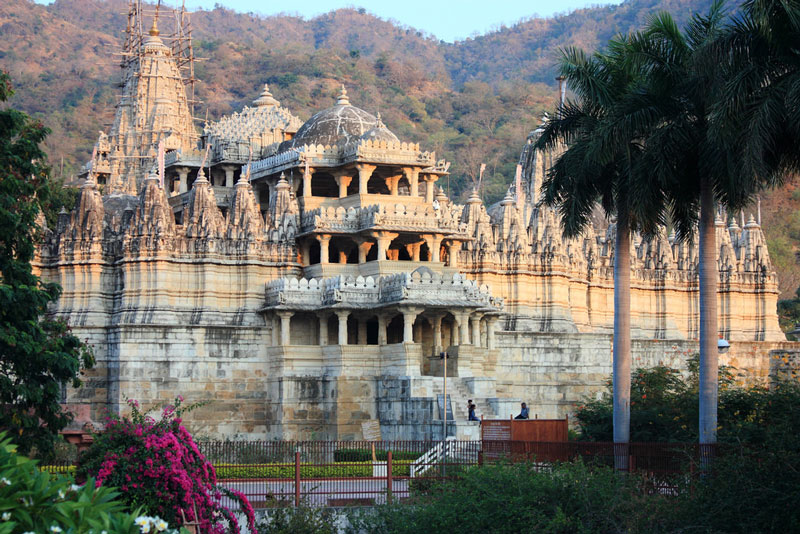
(244, 215)
(203, 218)
(153, 215)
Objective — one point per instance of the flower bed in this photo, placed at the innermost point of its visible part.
(286, 470)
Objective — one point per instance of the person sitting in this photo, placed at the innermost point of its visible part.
(523, 413)
(471, 408)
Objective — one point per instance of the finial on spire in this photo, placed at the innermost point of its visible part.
(343, 100)
(154, 29)
(266, 98)
(380, 122)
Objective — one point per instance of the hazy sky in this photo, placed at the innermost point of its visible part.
(447, 20)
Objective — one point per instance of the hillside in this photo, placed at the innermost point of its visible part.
(472, 101)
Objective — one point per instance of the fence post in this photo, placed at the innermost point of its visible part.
(297, 479)
(389, 477)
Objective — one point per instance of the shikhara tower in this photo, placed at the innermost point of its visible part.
(153, 107)
(301, 276)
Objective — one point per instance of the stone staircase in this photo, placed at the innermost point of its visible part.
(459, 394)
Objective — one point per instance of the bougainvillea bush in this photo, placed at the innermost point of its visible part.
(157, 466)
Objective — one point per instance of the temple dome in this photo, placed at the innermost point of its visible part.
(339, 125)
(380, 133)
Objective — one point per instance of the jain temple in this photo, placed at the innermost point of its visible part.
(303, 276)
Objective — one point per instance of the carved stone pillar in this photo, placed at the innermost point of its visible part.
(382, 339)
(463, 327)
(384, 239)
(391, 184)
(183, 179)
(429, 181)
(342, 315)
(409, 315)
(363, 249)
(364, 173)
(475, 323)
(275, 323)
(362, 331)
(412, 175)
(286, 318)
(434, 244)
(323, 329)
(437, 334)
(307, 182)
(229, 170)
(452, 251)
(490, 324)
(344, 181)
(305, 252)
(324, 249)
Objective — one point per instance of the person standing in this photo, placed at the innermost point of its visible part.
(471, 410)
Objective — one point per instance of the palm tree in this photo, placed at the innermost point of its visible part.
(587, 172)
(759, 105)
(692, 165)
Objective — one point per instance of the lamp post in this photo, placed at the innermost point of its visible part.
(723, 345)
(443, 355)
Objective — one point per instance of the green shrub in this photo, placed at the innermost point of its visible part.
(286, 470)
(511, 498)
(32, 500)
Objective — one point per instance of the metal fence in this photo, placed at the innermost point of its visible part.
(337, 473)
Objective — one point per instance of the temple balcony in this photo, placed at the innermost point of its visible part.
(374, 268)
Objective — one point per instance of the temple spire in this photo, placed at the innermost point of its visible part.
(343, 100)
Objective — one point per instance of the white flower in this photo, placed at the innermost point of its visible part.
(29, 532)
(144, 529)
(6, 516)
(161, 525)
(55, 529)
(62, 494)
(75, 487)
(4, 481)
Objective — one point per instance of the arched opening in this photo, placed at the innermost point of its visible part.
(333, 329)
(352, 330)
(343, 250)
(424, 252)
(372, 331)
(304, 329)
(352, 187)
(397, 251)
(372, 255)
(403, 187)
(324, 185)
(394, 330)
(376, 185)
(313, 252)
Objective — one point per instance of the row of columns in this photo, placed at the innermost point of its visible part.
(281, 332)
(183, 177)
(344, 177)
(383, 240)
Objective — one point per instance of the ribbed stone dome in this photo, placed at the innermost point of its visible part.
(338, 125)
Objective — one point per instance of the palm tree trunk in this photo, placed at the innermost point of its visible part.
(708, 318)
(622, 341)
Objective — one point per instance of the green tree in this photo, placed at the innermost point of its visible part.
(37, 355)
(695, 169)
(593, 169)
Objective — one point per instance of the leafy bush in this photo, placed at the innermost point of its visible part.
(158, 467)
(503, 498)
(664, 408)
(33, 501)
